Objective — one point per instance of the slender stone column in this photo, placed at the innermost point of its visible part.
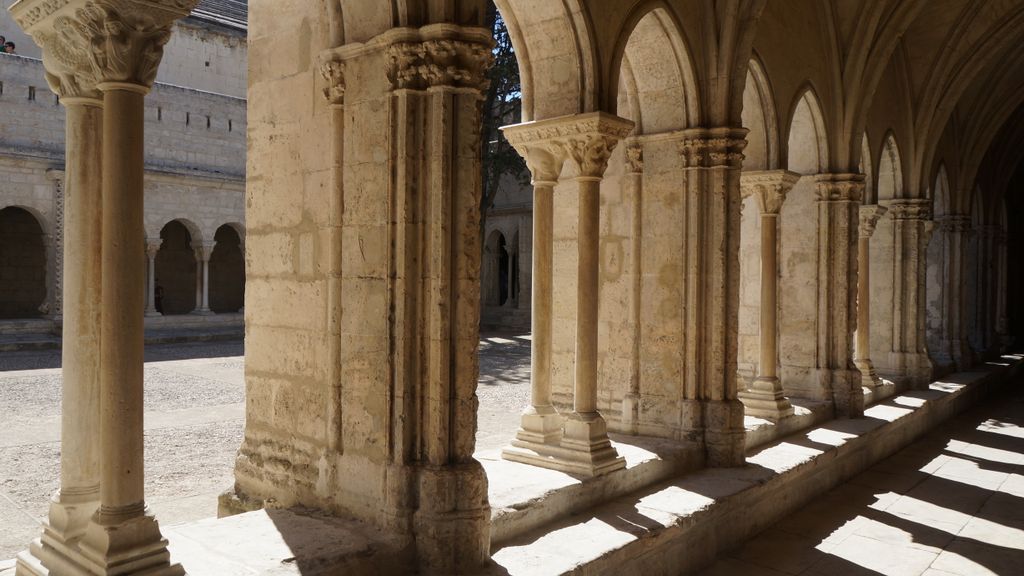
(765, 398)
(152, 248)
(869, 216)
(79, 495)
(838, 222)
(541, 426)
(1003, 336)
(955, 230)
(204, 253)
(909, 349)
(635, 190)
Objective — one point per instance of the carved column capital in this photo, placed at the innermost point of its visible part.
(870, 214)
(203, 251)
(153, 246)
(713, 147)
(840, 187)
(586, 139)
(769, 187)
(910, 208)
(89, 42)
(442, 57)
(332, 70)
(635, 158)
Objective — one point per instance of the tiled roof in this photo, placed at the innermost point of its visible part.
(234, 13)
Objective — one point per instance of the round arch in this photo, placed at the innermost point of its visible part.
(176, 270)
(22, 263)
(227, 271)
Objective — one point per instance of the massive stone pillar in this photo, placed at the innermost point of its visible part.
(635, 190)
(152, 248)
(109, 50)
(838, 223)
(587, 141)
(954, 230)
(911, 230)
(712, 158)
(540, 430)
(765, 397)
(387, 434)
(869, 216)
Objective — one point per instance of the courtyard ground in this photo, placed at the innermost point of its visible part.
(951, 503)
(195, 411)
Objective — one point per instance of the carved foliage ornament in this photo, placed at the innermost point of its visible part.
(869, 217)
(770, 188)
(586, 139)
(451, 63)
(333, 73)
(635, 159)
(911, 210)
(957, 223)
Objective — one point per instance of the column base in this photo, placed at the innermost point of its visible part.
(847, 394)
(114, 545)
(57, 548)
(868, 375)
(153, 314)
(540, 430)
(453, 521)
(584, 450)
(765, 400)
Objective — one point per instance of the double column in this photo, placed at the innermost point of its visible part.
(203, 253)
(152, 249)
(954, 230)
(869, 216)
(100, 523)
(577, 441)
(765, 397)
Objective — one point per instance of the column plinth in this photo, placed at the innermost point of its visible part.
(577, 443)
(765, 397)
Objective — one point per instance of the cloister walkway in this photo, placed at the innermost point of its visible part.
(951, 503)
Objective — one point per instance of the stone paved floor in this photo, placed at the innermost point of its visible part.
(195, 409)
(952, 503)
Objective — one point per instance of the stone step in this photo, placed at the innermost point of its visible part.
(681, 525)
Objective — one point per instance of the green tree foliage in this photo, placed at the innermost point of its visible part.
(502, 107)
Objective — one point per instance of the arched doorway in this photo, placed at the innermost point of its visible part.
(22, 265)
(227, 272)
(175, 271)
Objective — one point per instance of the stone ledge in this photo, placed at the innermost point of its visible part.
(525, 497)
(283, 543)
(685, 523)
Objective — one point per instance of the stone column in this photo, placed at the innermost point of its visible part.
(765, 398)
(838, 222)
(711, 160)
(909, 348)
(635, 190)
(205, 253)
(587, 140)
(869, 216)
(78, 497)
(540, 429)
(1003, 337)
(152, 248)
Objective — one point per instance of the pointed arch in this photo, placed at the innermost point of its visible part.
(890, 170)
(761, 119)
(652, 63)
(867, 169)
(807, 134)
(940, 194)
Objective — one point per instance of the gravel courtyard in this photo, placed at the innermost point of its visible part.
(195, 410)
